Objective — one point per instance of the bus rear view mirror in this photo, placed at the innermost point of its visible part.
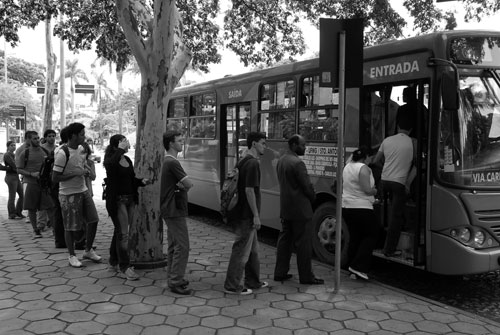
(449, 91)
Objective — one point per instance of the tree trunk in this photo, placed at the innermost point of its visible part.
(72, 88)
(48, 101)
(146, 232)
(162, 58)
(119, 77)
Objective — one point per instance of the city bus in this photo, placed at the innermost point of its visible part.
(450, 80)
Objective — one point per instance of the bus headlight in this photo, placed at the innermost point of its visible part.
(472, 236)
(479, 238)
(464, 235)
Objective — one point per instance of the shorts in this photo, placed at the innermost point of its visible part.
(36, 198)
(77, 209)
(126, 199)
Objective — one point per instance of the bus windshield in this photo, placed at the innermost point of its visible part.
(470, 137)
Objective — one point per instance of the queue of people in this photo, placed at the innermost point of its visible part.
(69, 206)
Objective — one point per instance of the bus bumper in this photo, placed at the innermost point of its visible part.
(449, 257)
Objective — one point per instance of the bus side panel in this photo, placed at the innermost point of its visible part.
(201, 163)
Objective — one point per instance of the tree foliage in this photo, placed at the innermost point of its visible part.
(259, 31)
(21, 71)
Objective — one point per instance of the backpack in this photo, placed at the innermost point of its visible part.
(229, 191)
(45, 178)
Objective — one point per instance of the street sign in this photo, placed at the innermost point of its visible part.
(40, 87)
(17, 111)
(329, 31)
(84, 88)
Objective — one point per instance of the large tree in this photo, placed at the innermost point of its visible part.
(164, 36)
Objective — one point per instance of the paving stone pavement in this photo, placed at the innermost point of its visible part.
(41, 294)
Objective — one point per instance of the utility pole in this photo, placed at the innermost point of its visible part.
(62, 93)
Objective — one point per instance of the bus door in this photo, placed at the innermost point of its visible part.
(386, 105)
(234, 134)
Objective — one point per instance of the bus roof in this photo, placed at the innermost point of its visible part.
(434, 41)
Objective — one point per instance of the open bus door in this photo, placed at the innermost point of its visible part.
(233, 134)
(385, 104)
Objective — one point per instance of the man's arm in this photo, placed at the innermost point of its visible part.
(252, 202)
(304, 181)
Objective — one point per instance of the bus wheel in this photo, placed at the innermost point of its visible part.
(324, 223)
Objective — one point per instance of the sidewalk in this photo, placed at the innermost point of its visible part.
(41, 294)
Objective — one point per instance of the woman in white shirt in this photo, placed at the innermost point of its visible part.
(358, 195)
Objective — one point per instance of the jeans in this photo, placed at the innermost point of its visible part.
(15, 186)
(295, 235)
(178, 250)
(364, 231)
(118, 251)
(396, 193)
(244, 258)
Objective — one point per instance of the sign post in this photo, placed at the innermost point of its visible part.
(338, 39)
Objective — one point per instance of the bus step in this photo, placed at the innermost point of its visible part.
(404, 258)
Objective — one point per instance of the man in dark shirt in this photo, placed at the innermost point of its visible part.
(245, 217)
(173, 206)
(296, 198)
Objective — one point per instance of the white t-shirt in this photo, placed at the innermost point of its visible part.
(76, 162)
(398, 154)
(352, 194)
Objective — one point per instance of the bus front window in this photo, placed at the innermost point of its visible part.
(470, 137)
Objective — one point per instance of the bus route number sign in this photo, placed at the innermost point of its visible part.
(320, 161)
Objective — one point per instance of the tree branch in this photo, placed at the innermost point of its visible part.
(138, 46)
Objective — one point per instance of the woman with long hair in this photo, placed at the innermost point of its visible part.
(121, 197)
(358, 195)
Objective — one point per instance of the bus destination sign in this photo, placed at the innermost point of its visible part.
(320, 161)
(485, 178)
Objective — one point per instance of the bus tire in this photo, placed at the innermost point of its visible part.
(324, 223)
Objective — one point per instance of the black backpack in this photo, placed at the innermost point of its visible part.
(229, 191)
(45, 178)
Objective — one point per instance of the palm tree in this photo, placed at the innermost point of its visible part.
(102, 91)
(119, 78)
(75, 74)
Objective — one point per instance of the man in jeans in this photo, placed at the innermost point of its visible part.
(397, 153)
(173, 206)
(77, 206)
(245, 218)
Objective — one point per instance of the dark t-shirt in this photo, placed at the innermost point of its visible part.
(173, 201)
(249, 177)
(126, 177)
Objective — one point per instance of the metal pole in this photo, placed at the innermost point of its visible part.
(62, 92)
(340, 160)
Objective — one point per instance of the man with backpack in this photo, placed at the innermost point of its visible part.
(29, 163)
(43, 218)
(245, 217)
(77, 206)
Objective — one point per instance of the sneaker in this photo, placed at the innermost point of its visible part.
(264, 284)
(92, 256)
(20, 216)
(245, 291)
(37, 234)
(358, 273)
(131, 274)
(113, 268)
(74, 262)
(183, 290)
